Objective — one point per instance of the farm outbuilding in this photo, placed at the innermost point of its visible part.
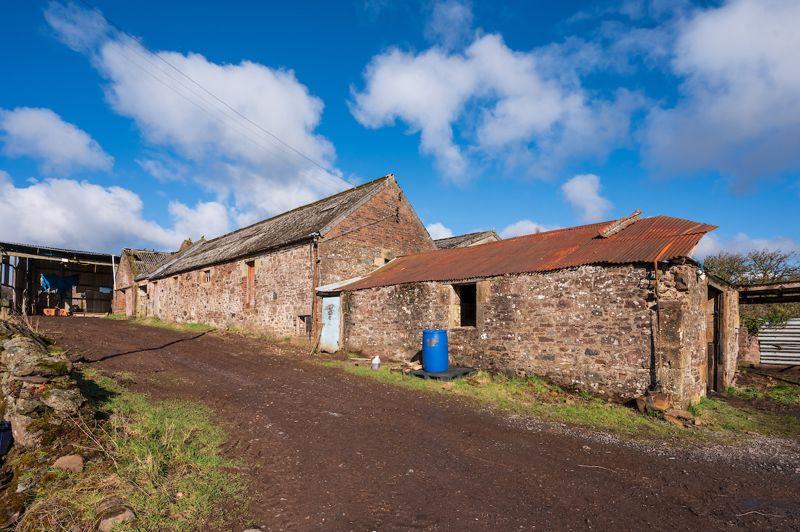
(264, 277)
(38, 279)
(616, 308)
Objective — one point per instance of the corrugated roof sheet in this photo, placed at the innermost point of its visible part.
(460, 241)
(290, 227)
(646, 240)
(49, 251)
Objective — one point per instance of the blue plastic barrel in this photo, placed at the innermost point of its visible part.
(434, 350)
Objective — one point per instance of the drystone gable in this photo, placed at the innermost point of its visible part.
(217, 294)
(383, 228)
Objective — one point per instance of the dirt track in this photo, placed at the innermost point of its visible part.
(334, 451)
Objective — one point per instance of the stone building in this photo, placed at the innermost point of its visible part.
(134, 263)
(469, 239)
(264, 276)
(616, 308)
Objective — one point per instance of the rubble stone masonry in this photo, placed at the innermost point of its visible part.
(282, 293)
(383, 228)
(586, 328)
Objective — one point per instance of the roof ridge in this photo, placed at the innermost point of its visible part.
(466, 234)
(284, 213)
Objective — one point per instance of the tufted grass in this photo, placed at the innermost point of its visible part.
(162, 458)
(165, 324)
(534, 396)
(783, 394)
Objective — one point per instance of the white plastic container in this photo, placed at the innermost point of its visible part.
(376, 363)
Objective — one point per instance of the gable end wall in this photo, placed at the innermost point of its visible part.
(384, 227)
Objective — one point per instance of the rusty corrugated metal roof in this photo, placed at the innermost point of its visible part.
(646, 240)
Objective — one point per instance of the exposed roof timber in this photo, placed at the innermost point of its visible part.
(770, 288)
(786, 292)
(30, 251)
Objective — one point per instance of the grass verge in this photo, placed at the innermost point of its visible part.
(162, 459)
(536, 397)
(163, 324)
(783, 394)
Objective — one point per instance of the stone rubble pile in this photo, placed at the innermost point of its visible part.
(36, 388)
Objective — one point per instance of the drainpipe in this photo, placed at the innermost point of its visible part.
(314, 284)
(654, 382)
(656, 358)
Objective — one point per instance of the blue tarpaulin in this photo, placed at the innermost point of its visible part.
(63, 284)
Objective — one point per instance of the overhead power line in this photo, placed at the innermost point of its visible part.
(221, 101)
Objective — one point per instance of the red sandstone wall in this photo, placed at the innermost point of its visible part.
(282, 294)
(122, 280)
(587, 328)
(383, 228)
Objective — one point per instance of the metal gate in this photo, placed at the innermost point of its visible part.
(781, 345)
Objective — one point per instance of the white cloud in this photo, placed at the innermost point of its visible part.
(524, 227)
(438, 230)
(228, 155)
(739, 110)
(59, 146)
(507, 106)
(450, 23)
(164, 169)
(207, 219)
(712, 244)
(77, 214)
(583, 194)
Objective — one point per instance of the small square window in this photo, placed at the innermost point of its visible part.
(466, 305)
(207, 275)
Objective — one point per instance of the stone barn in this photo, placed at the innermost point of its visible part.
(616, 308)
(135, 263)
(264, 277)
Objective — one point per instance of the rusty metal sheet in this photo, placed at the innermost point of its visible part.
(646, 240)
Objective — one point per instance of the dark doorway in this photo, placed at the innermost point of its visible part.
(467, 301)
(713, 340)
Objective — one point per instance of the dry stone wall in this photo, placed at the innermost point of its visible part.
(37, 392)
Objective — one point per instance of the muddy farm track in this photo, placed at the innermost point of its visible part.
(329, 450)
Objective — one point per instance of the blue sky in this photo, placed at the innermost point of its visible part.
(515, 116)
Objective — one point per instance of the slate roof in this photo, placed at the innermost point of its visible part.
(144, 261)
(643, 241)
(291, 227)
(460, 241)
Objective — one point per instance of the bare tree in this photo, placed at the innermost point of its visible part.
(757, 267)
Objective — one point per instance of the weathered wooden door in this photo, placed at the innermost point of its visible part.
(331, 322)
